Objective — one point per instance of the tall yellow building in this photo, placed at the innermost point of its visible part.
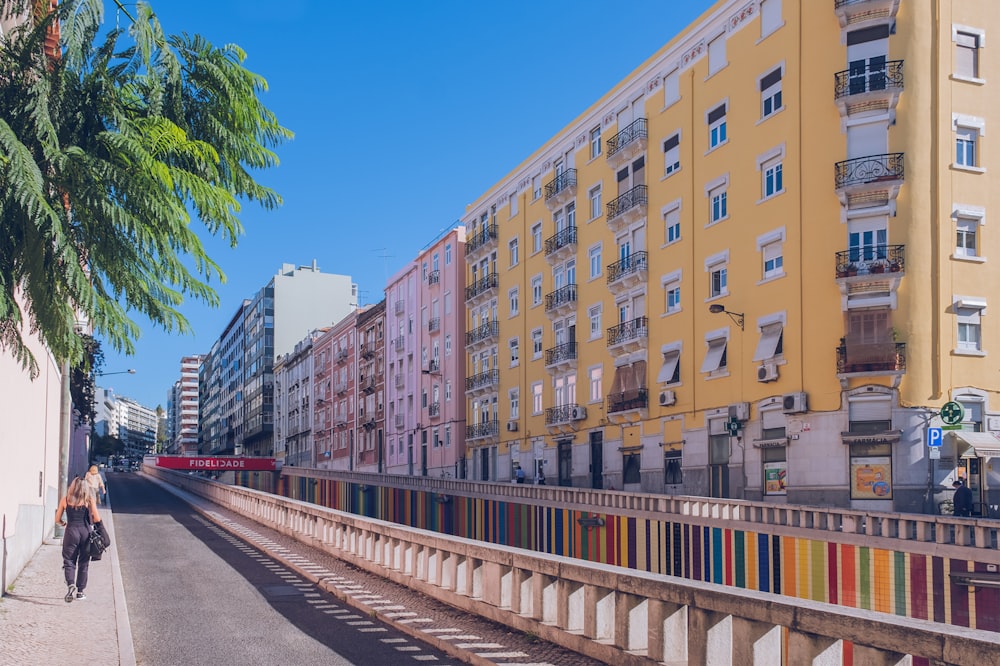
(757, 268)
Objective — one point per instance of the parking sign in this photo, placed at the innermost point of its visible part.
(935, 437)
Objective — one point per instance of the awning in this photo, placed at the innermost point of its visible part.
(976, 444)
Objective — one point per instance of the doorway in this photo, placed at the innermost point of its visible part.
(565, 452)
(597, 460)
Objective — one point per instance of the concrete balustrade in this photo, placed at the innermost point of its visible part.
(618, 615)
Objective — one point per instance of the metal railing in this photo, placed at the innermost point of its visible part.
(633, 131)
(868, 79)
(637, 261)
(560, 353)
(434, 365)
(637, 196)
(399, 343)
(629, 330)
(400, 380)
(559, 240)
(368, 350)
(434, 324)
(478, 239)
(562, 414)
(484, 284)
(888, 357)
(871, 259)
(482, 333)
(434, 410)
(627, 400)
(484, 429)
(562, 296)
(482, 380)
(869, 169)
(564, 180)
(434, 277)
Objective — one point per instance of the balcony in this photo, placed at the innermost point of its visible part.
(434, 410)
(873, 359)
(369, 423)
(856, 13)
(340, 418)
(400, 421)
(869, 181)
(866, 272)
(367, 350)
(628, 336)
(868, 87)
(564, 414)
(485, 286)
(433, 365)
(628, 208)
(484, 430)
(368, 384)
(627, 401)
(400, 380)
(560, 190)
(434, 277)
(561, 356)
(434, 325)
(484, 381)
(399, 343)
(400, 307)
(560, 246)
(340, 387)
(627, 273)
(561, 300)
(484, 334)
(482, 239)
(341, 356)
(627, 144)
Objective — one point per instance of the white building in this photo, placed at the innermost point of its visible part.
(182, 409)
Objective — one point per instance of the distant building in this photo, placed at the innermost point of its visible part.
(182, 409)
(370, 434)
(335, 362)
(293, 404)
(134, 424)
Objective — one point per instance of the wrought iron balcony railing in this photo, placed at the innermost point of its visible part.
(867, 78)
(562, 296)
(434, 324)
(434, 410)
(434, 277)
(340, 387)
(368, 350)
(637, 196)
(633, 131)
(887, 357)
(482, 333)
(478, 239)
(368, 384)
(560, 353)
(564, 180)
(628, 400)
(434, 365)
(561, 239)
(482, 380)
(629, 330)
(481, 430)
(341, 355)
(872, 259)
(484, 284)
(563, 414)
(399, 343)
(638, 261)
(870, 169)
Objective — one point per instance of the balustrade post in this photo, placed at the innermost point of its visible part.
(806, 648)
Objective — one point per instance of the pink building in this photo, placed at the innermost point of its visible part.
(369, 455)
(334, 388)
(425, 356)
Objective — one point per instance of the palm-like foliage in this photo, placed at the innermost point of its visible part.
(106, 154)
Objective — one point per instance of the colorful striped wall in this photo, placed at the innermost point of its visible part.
(905, 584)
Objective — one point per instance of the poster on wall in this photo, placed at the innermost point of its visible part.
(775, 475)
(871, 478)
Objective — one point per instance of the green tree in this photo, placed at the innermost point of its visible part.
(106, 445)
(108, 149)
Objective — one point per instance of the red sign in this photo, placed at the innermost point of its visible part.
(216, 463)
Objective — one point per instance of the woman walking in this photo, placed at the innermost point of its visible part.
(95, 484)
(80, 509)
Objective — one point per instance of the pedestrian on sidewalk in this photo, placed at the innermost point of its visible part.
(962, 498)
(80, 509)
(96, 484)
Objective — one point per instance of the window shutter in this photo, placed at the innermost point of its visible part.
(671, 143)
(770, 79)
(870, 410)
(717, 114)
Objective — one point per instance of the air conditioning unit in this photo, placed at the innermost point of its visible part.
(578, 413)
(792, 403)
(667, 398)
(511, 426)
(767, 372)
(740, 411)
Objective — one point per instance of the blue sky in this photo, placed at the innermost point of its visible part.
(403, 113)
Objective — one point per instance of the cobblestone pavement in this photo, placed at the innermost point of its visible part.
(464, 636)
(37, 626)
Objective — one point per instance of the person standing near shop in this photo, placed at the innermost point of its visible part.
(80, 509)
(962, 498)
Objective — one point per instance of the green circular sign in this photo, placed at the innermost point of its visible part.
(952, 413)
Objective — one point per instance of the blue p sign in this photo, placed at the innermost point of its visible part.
(935, 437)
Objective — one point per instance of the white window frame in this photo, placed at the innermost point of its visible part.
(536, 343)
(536, 398)
(716, 347)
(536, 291)
(513, 298)
(772, 93)
(536, 187)
(512, 247)
(671, 284)
(971, 129)
(514, 403)
(717, 262)
(969, 219)
(958, 32)
(716, 48)
(671, 215)
(969, 311)
(595, 383)
(717, 193)
(595, 255)
(595, 142)
(771, 329)
(671, 88)
(596, 208)
(771, 248)
(671, 357)
(672, 155)
(514, 345)
(594, 316)
(536, 238)
(770, 17)
(513, 203)
(718, 131)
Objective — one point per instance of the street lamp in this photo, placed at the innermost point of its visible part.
(719, 308)
(130, 371)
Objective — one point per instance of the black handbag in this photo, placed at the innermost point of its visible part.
(97, 541)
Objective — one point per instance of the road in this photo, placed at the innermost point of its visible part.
(198, 595)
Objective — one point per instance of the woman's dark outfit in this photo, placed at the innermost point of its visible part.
(76, 559)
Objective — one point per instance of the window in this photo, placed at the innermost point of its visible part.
(595, 142)
(672, 224)
(513, 204)
(773, 181)
(672, 468)
(512, 296)
(965, 146)
(770, 17)
(536, 187)
(594, 314)
(536, 290)
(770, 343)
(512, 246)
(447, 302)
(717, 54)
(968, 314)
(447, 390)
(967, 46)
(718, 278)
(672, 154)
(515, 352)
(719, 285)
(595, 261)
(514, 396)
(770, 93)
(670, 371)
(671, 88)
(536, 238)
(595, 202)
(594, 381)
(719, 204)
(536, 398)
(771, 255)
(717, 126)
(672, 292)
(536, 343)
(715, 357)
(965, 244)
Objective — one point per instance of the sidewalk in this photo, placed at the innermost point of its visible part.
(39, 627)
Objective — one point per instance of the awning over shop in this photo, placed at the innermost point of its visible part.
(976, 444)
